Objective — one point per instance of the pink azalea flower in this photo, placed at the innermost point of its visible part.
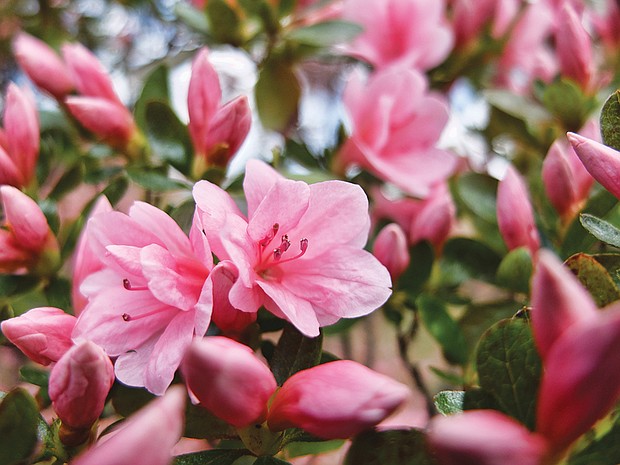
(145, 438)
(228, 380)
(335, 400)
(396, 123)
(484, 437)
(391, 249)
(151, 297)
(42, 334)
(298, 251)
(469, 18)
(515, 216)
(412, 33)
(574, 49)
(79, 384)
(601, 161)
(19, 155)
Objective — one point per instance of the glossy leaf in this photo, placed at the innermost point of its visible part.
(168, 137)
(565, 100)
(509, 368)
(478, 193)
(480, 317)
(449, 402)
(419, 271)
(202, 424)
(610, 121)
(595, 278)
(394, 447)
(154, 180)
(601, 229)
(294, 352)
(277, 95)
(210, 457)
(19, 417)
(515, 270)
(465, 258)
(155, 89)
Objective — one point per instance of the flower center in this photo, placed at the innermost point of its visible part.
(269, 257)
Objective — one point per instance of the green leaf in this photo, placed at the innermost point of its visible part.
(294, 352)
(210, 457)
(12, 286)
(479, 193)
(449, 402)
(277, 95)
(480, 317)
(202, 424)
(299, 449)
(154, 180)
(68, 182)
(394, 447)
(518, 106)
(509, 368)
(601, 229)
(114, 191)
(58, 293)
(611, 262)
(155, 89)
(19, 416)
(604, 450)
(476, 399)
(128, 400)
(515, 270)
(610, 121)
(465, 258)
(224, 22)
(565, 100)
(269, 460)
(419, 271)
(326, 33)
(33, 375)
(167, 136)
(443, 328)
(595, 278)
(194, 18)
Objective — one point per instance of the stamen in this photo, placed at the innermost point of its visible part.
(303, 246)
(277, 254)
(285, 243)
(127, 285)
(128, 317)
(264, 242)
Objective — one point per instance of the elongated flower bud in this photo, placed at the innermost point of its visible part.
(391, 250)
(335, 400)
(601, 161)
(228, 380)
(574, 48)
(43, 334)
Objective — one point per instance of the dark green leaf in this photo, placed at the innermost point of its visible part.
(509, 368)
(601, 229)
(201, 424)
(68, 182)
(518, 106)
(476, 399)
(417, 274)
(210, 457)
(154, 180)
(277, 96)
(167, 136)
(224, 22)
(610, 121)
(595, 278)
(326, 33)
(443, 328)
(19, 416)
(465, 258)
(515, 270)
(294, 352)
(50, 210)
(611, 262)
(478, 192)
(269, 460)
(395, 447)
(128, 400)
(155, 89)
(114, 191)
(449, 402)
(299, 449)
(480, 317)
(12, 286)
(604, 450)
(565, 100)
(58, 293)
(52, 446)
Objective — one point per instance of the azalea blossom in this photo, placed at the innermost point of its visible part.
(299, 251)
(396, 123)
(151, 296)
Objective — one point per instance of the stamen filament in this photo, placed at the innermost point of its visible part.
(128, 317)
(127, 285)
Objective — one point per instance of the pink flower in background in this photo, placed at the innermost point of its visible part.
(79, 384)
(145, 438)
(19, 140)
(567, 182)
(574, 49)
(42, 65)
(26, 241)
(606, 25)
(43, 334)
(299, 252)
(469, 18)
(228, 380)
(396, 123)
(411, 33)
(335, 400)
(430, 219)
(515, 216)
(484, 437)
(601, 161)
(391, 249)
(151, 297)
(217, 131)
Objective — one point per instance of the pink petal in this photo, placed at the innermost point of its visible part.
(9, 173)
(602, 162)
(25, 219)
(259, 179)
(21, 123)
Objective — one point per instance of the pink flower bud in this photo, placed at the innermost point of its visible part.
(227, 131)
(581, 382)
(203, 100)
(559, 301)
(228, 380)
(602, 162)
(79, 384)
(335, 400)
(90, 78)
(515, 217)
(391, 250)
(435, 218)
(228, 319)
(42, 65)
(484, 437)
(574, 48)
(21, 125)
(108, 120)
(43, 334)
(146, 438)
(9, 173)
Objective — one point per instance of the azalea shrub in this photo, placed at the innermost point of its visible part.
(276, 232)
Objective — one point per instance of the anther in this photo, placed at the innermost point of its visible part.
(285, 243)
(277, 254)
(126, 317)
(127, 285)
(264, 242)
